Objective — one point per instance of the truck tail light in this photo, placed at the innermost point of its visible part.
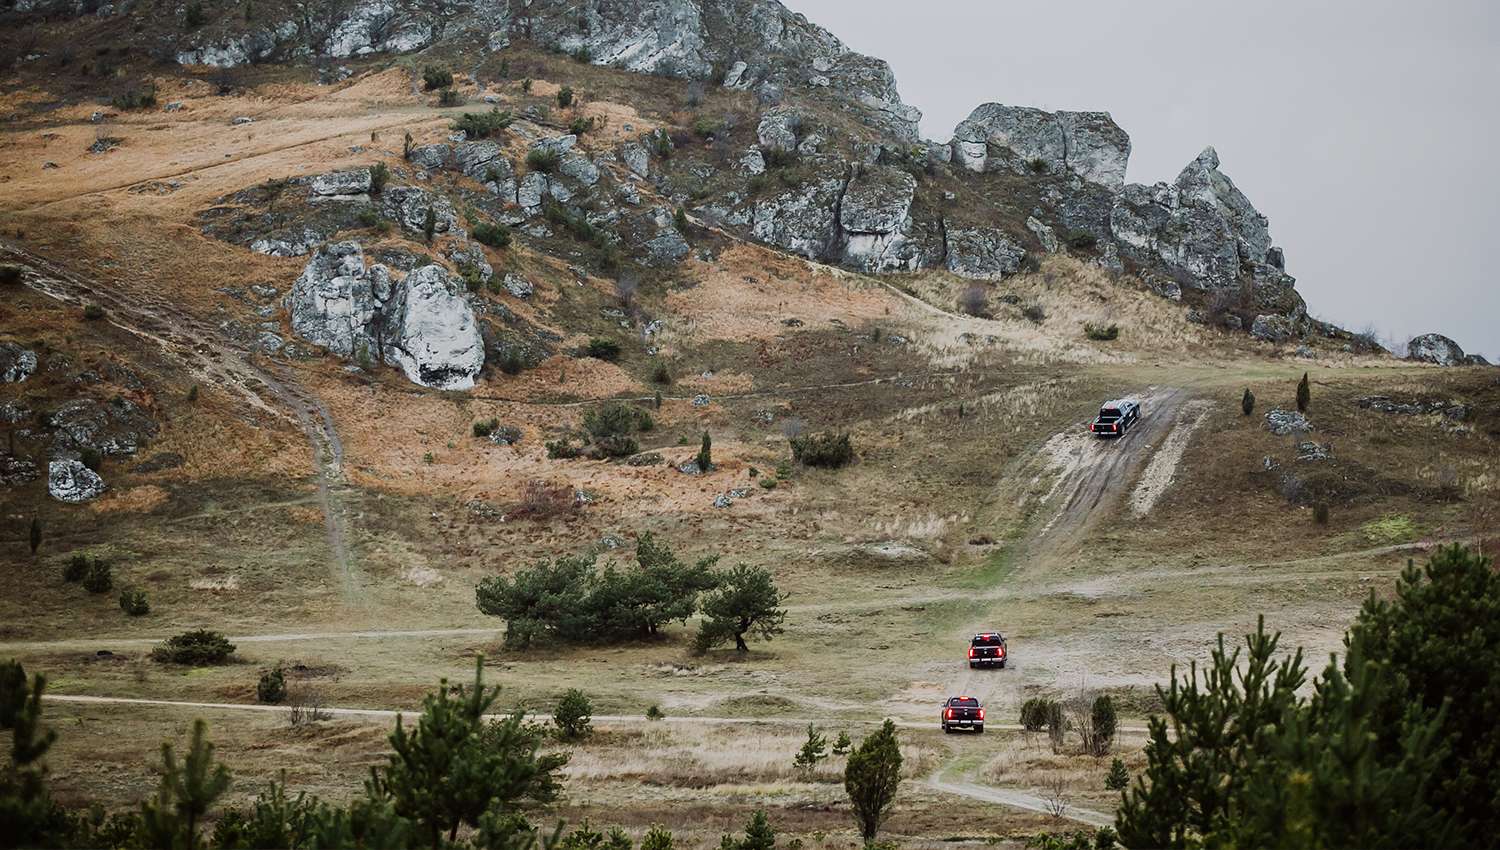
(981, 714)
(950, 714)
(971, 652)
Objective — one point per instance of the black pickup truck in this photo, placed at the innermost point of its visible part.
(1116, 417)
(963, 713)
(987, 649)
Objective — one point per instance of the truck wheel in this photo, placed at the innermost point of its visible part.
(978, 730)
(1002, 665)
(972, 665)
(946, 730)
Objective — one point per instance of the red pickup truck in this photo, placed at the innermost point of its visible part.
(987, 649)
(1116, 417)
(963, 713)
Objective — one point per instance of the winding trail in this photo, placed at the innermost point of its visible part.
(200, 349)
(1019, 800)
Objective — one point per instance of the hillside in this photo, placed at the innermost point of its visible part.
(305, 311)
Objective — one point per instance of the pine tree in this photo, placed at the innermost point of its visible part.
(872, 778)
(452, 769)
(1105, 722)
(1118, 778)
(813, 751)
(36, 534)
(657, 837)
(28, 817)
(705, 459)
(186, 794)
(745, 602)
(1247, 402)
(758, 833)
(842, 745)
(1304, 394)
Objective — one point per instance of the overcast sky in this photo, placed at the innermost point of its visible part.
(1364, 129)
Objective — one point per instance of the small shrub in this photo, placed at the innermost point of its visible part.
(10, 275)
(450, 97)
(544, 160)
(600, 348)
(1101, 333)
(583, 55)
(197, 647)
(512, 362)
(779, 159)
(975, 301)
(1037, 165)
(76, 568)
(99, 578)
(580, 125)
(1034, 312)
(485, 427)
(1320, 513)
(842, 745)
(574, 715)
(93, 312)
(134, 604)
(141, 98)
(1034, 713)
(482, 125)
(563, 449)
(429, 224)
(493, 235)
(526, 86)
(768, 483)
(379, 176)
(369, 217)
(680, 219)
(565, 97)
(545, 500)
(825, 449)
(654, 713)
(660, 374)
(193, 16)
(1247, 402)
(707, 128)
(271, 689)
(1082, 240)
(1118, 778)
(661, 144)
(1304, 394)
(436, 77)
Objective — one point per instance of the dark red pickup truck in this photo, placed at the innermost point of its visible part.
(963, 713)
(987, 649)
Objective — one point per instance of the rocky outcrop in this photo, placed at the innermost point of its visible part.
(1273, 328)
(1205, 232)
(408, 206)
(1023, 139)
(16, 363)
(1435, 348)
(804, 218)
(115, 427)
(348, 186)
(432, 333)
(875, 218)
(422, 323)
(72, 482)
(983, 253)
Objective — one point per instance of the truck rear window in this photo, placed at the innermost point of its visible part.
(986, 640)
(968, 702)
(1108, 413)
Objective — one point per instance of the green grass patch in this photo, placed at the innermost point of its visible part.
(1390, 530)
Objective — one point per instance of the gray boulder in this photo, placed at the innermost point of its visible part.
(72, 482)
(341, 186)
(379, 26)
(115, 427)
(430, 157)
(1273, 328)
(779, 129)
(804, 218)
(422, 323)
(518, 286)
(408, 206)
(875, 218)
(636, 159)
(1435, 348)
(983, 253)
(15, 471)
(432, 334)
(1283, 422)
(1024, 139)
(16, 363)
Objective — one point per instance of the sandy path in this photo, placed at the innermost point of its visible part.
(1162, 469)
(1018, 800)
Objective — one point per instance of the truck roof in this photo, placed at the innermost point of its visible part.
(1121, 402)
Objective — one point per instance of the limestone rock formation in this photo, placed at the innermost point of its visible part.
(422, 323)
(16, 363)
(1435, 348)
(804, 218)
(1023, 139)
(72, 482)
(875, 217)
(983, 253)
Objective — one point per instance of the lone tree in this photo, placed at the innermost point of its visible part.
(745, 602)
(814, 750)
(759, 835)
(36, 534)
(574, 715)
(186, 794)
(1247, 402)
(705, 458)
(1304, 394)
(452, 769)
(1118, 778)
(871, 778)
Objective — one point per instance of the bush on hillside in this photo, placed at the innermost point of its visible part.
(436, 77)
(601, 348)
(76, 568)
(825, 449)
(544, 160)
(271, 689)
(574, 715)
(450, 97)
(1101, 333)
(481, 125)
(1034, 713)
(197, 648)
(99, 578)
(134, 604)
